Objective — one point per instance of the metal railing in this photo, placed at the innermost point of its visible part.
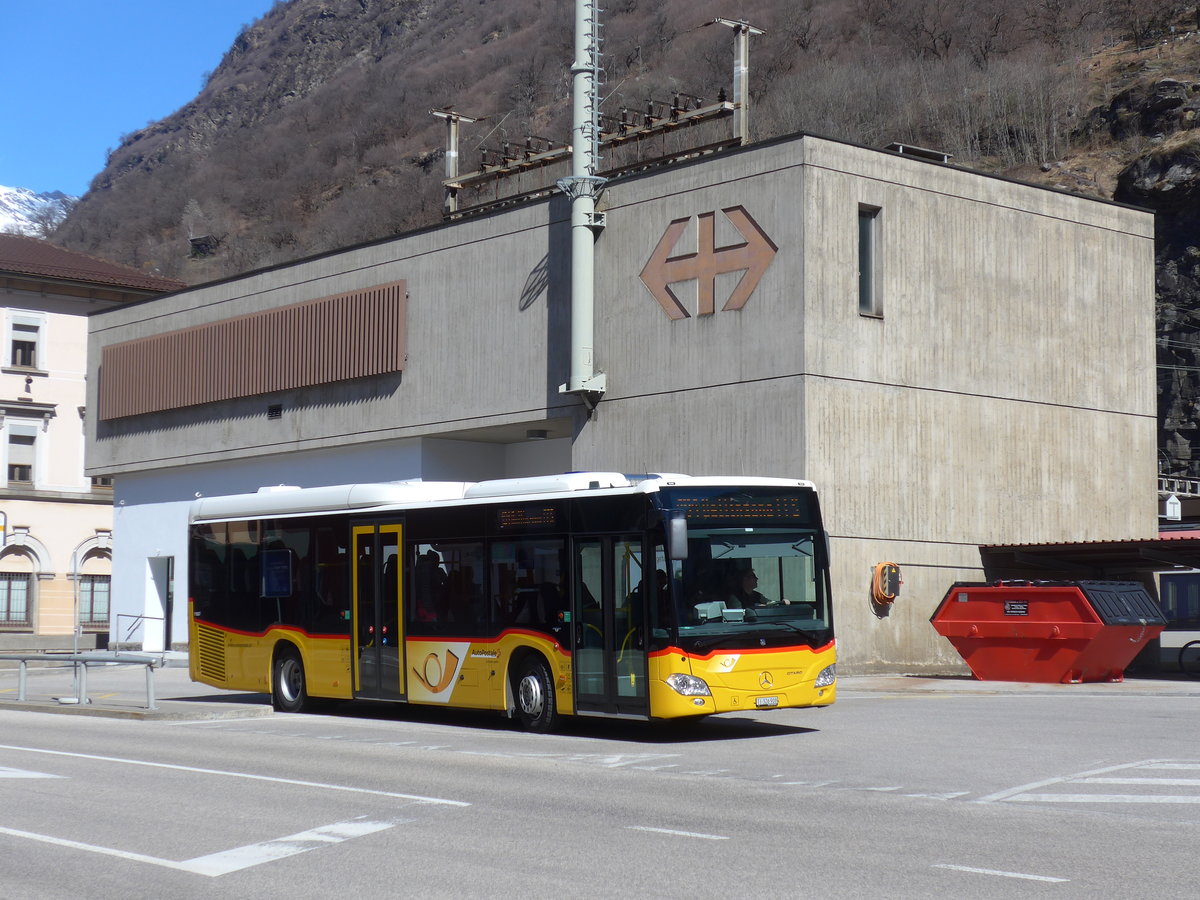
(80, 663)
(1179, 485)
(139, 622)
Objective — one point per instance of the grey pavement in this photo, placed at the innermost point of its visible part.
(120, 691)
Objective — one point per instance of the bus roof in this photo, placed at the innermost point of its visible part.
(282, 501)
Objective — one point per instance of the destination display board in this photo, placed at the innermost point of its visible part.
(526, 517)
(744, 507)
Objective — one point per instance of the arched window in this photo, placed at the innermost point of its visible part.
(16, 589)
(95, 580)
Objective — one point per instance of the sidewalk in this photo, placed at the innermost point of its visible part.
(120, 691)
(1162, 685)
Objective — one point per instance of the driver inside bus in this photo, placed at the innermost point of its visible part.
(743, 591)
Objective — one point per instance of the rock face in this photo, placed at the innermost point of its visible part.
(1154, 108)
(1167, 181)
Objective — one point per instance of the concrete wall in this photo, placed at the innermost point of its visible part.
(479, 326)
(1006, 394)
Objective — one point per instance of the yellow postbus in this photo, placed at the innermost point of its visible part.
(588, 594)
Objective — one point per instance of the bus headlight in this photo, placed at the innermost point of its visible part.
(689, 685)
(827, 677)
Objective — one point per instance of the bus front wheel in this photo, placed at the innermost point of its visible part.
(535, 695)
(288, 691)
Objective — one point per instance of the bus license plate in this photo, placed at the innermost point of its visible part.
(766, 701)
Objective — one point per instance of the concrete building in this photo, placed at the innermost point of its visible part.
(57, 541)
(954, 359)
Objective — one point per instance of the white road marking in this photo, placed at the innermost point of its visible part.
(1013, 792)
(227, 861)
(1000, 873)
(948, 795)
(1029, 793)
(91, 848)
(1176, 782)
(815, 784)
(691, 834)
(254, 854)
(1173, 765)
(6, 772)
(1106, 798)
(617, 760)
(246, 775)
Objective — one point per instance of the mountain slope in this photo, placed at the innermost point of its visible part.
(24, 212)
(314, 132)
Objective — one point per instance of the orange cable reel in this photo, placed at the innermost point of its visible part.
(885, 583)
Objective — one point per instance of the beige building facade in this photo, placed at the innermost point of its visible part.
(55, 555)
(953, 359)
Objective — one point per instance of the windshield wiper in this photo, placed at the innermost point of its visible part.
(796, 628)
(703, 643)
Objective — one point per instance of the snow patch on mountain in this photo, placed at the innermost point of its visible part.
(21, 209)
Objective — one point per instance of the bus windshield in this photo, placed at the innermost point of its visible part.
(761, 579)
(755, 568)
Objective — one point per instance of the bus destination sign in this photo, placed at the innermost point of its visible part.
(517, 518)
(736, 508)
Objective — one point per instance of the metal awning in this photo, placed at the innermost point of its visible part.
(1118, 559)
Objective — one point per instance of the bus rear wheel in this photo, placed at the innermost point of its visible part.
(1189, 659)
(288, 690)
(534, 695)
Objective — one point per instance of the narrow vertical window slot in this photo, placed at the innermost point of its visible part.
(869, 299)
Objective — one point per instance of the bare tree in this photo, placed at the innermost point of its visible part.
(49, 216)
(1057, 23)
(928, 28)
(1141, 20)
(988, 36)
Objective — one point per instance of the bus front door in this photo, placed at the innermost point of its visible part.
(379, 637)
(609, 626)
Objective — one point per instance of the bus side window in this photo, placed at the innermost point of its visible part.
(446, 594)
(331, 591)
(528, 581)
(245, 604)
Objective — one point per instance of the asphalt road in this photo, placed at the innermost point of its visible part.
(905, 788)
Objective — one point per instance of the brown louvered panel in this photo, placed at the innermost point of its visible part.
(352, 335)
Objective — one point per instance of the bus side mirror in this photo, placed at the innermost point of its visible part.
(677, 547)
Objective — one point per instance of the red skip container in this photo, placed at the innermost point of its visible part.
(1049, 631)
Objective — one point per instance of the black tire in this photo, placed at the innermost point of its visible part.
(533, 695)
(1189, 659)
(289, 691)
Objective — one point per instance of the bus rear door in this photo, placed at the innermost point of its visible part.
(609, 626)
(378, 618)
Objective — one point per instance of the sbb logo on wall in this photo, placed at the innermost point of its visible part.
(751, 257)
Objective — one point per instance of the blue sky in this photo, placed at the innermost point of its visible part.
(78, 74)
